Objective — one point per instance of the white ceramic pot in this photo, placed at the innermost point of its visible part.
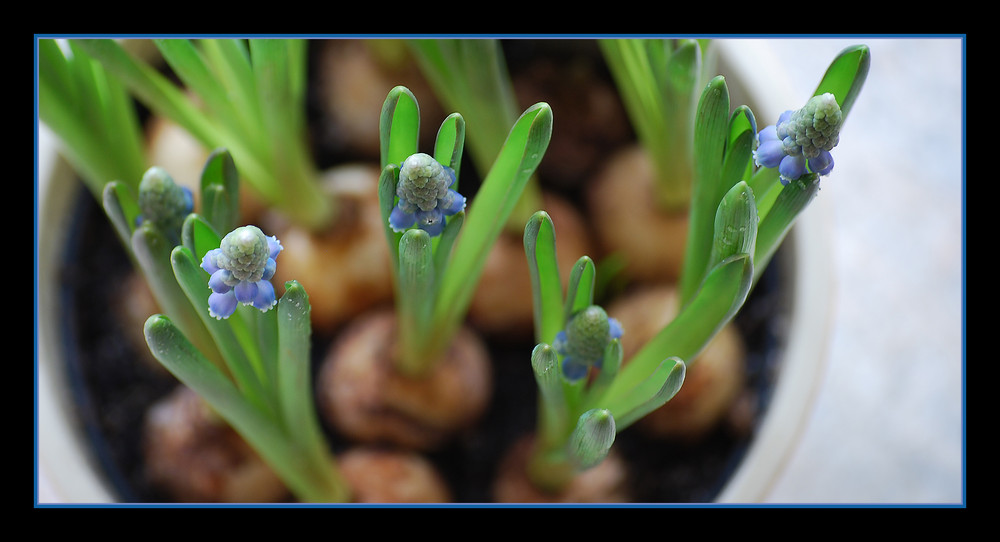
(67, 471)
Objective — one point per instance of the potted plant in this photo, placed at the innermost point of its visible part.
(54, 233)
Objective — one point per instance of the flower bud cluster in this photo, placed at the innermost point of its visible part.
(584, 340)
(163, 202)
(241, 270)
(801, 141)
(425, 195)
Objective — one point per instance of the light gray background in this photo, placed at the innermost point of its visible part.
(888, 423)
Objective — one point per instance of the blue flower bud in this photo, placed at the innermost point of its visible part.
(584, 340)
(163, 202)
(801, 141)
(241, 269)
(425, 195)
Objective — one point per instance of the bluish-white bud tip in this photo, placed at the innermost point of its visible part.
(244, 252)
(423, 181)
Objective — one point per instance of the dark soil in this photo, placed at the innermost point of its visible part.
(114, 385)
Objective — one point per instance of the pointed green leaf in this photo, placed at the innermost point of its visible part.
(649, 394)
(449, 144)
(580, 289)
(386, 201)
(151, 250)
(232, 336)
(294, 377)
(415, 297)
(710, 138)
(735, 224)
(122, 209)
(399, 126)
(591, 440)
(487, 215)
(553, 409)
(199, 236)
(788, 204)
(846, 76)
(546, 283)
(720, 296)
(171, 348)
(220, 198)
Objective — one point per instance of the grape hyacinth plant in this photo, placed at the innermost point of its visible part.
(437, 269)
(576, 361)
(259, 382)
(588, 393)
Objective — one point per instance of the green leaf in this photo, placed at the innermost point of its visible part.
(199, 236)
(294, 377)
(399, 126)
(788, 205)
(122, 209)
(151, 250)
(485, 218)
(232, 336)
(846, 76)
(386, 201)
(591, 440)
(735, 224)
(444, 244)
(657, 83)
(580, 289)
(553, 411)
(220, 191)
(171, 348)
(229, 60)
(294, 384)
(739, 149)
(546, 283)
(711, 134)
(449, 144)
(720, 296)
(415, 298)
(187, 62)
(649, 394)
(89, 112)
(610, 365)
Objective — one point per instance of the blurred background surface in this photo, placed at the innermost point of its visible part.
(888, 422)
